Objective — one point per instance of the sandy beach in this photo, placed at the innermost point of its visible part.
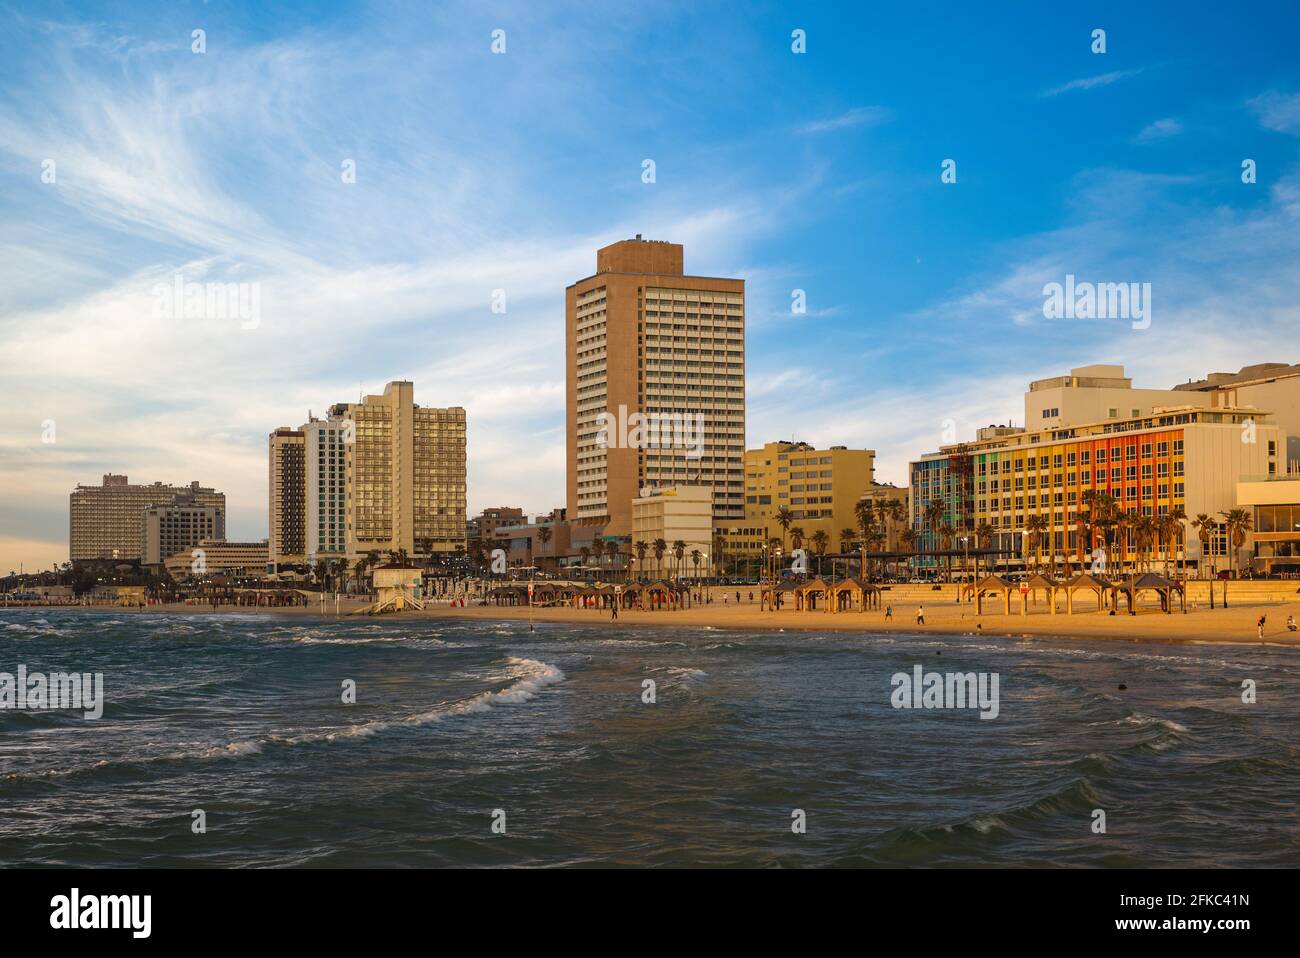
(1236, 624)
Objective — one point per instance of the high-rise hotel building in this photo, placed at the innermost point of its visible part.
(405, 474)
(642, 338)
(286, 543)
(106, 522)
(326, 499)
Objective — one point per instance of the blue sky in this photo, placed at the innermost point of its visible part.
(475, 172)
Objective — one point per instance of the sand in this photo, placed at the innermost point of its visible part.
(1236, 624)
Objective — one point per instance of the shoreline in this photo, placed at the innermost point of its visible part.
(1235, 625)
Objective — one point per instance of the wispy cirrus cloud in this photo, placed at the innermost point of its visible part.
(858, 116)
(1092, 82)
(1162, 129)
(1278, 111)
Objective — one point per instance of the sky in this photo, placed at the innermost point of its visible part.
(127, 158)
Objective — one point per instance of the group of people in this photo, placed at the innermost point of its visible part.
(1290, 624)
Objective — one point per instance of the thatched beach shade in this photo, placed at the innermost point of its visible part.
(1047, 584)
(994, 583)
(509, 595)
(774, 597)
(1086, 580)
(660, 593)
(807, 594)
(1150, 582)
(852, 589)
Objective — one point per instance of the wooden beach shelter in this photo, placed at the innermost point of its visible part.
(1093, 583)
(660, 594)
(995, 583)
(850, 591)
(806, 595)
(1049, 585)
(773, 598)
(1134, 586)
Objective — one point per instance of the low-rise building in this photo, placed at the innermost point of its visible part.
(675, 514)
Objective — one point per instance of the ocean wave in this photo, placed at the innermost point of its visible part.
(526, 686)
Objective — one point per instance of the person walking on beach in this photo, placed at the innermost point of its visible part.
(1260, 625)
(920, 615)
(737, 598)
(613, 611)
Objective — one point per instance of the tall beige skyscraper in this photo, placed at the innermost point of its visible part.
(405, 467)
(647, 344)
(286, 531)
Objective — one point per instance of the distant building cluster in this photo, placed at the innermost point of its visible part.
(118, 522)
(659, 480)
(382, 475)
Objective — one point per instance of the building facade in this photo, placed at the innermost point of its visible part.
(648, 345)
(106, 522)
(1182, 461)
(405, 469)
(325, 477)
(286, 509)
(675, 514)
(176, 528)
(819, 487)
(218, 558)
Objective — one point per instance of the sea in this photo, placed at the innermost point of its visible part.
(287, 740)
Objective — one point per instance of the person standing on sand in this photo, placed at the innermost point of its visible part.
(1290, 623)
(889, 613)
(920, 615)
(613, 611)
(1260, 625)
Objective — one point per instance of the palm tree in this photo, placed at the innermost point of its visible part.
(585, 552)
(1206, 526)
(783, 519)
(696, 558)
(719, 549)
(933, 513)
(1036, 525)
(660, 547)
(679, 553)
(846, 538)
(544, 535)
(598, 550)
(946, 533)
(866, 515)
(819, 542)
(641, 548)
(908, 537)
(796, 537)
(1238, 522)
(983, 536)
(1179, 516)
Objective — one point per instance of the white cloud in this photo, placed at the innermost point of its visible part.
(1091, 82)
(1159, 130)
(858, 116)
